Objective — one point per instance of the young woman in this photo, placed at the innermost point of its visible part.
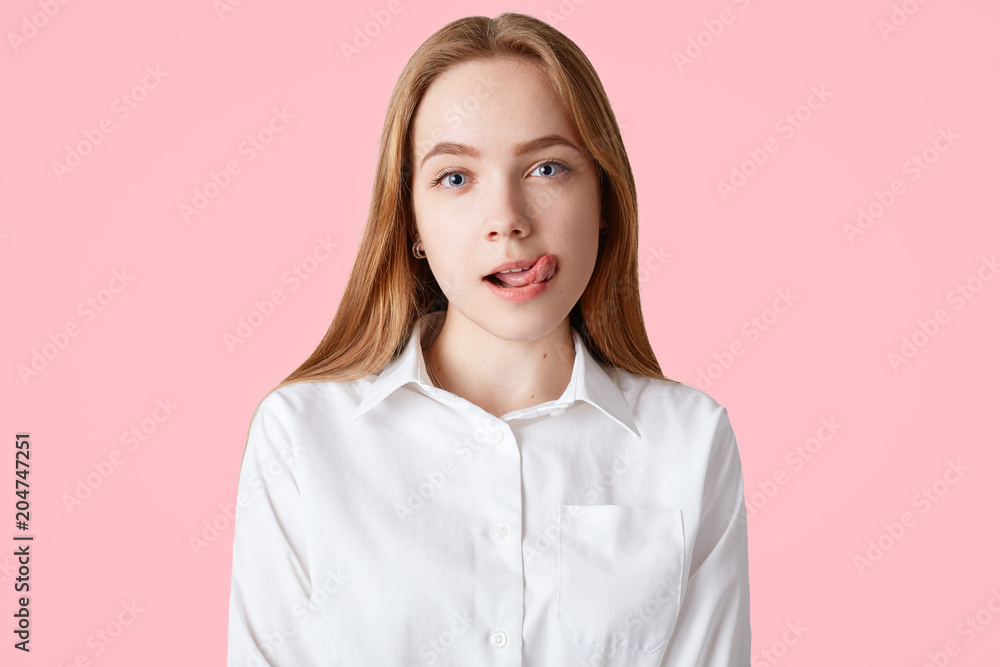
(482, 462)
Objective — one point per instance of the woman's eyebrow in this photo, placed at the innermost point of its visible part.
(453, 148)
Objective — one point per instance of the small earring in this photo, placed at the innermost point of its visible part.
(604, 228)
(417, 252)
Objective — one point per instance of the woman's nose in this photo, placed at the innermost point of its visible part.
(506, 210)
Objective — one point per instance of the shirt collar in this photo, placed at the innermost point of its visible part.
(589, 381)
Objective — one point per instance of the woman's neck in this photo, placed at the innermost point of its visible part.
(500, 375)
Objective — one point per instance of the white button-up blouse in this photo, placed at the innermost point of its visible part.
(386, 522)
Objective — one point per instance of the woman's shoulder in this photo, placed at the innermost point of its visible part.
(314, 398)
(669, 398)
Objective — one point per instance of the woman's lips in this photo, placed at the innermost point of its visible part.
(540, 271)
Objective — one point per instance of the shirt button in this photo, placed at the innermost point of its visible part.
(496, 436)
(498, 639)
(498, 532)
(557, 412)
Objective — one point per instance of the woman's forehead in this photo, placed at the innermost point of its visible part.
(491, 107)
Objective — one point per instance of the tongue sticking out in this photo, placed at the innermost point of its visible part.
(543, 269)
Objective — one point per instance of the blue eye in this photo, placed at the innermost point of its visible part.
(448, 175)
(448, 172)
(547, 164)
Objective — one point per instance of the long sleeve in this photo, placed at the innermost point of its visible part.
(269, 618)
(713, 627)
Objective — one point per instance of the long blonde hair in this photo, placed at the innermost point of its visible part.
(389, 289)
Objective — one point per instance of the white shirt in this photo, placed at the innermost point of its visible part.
(384, 522)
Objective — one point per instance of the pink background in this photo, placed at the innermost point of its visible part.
(687, 126)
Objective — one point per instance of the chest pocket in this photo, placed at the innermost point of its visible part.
(621, 573)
